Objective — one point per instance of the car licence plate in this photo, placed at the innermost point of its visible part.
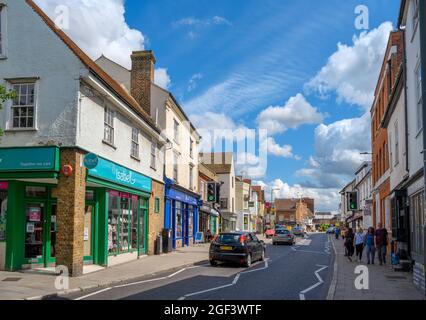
(226, 248)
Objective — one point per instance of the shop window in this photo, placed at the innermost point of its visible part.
(134, 227)
(157, 205)
(35, 192)
(125, 220)
(178, 220)
(3, 210)
(417, 219)
(190, 221)
(142, 223)
(23, 106)
(90, 195)
(113, 216)
(34, 231)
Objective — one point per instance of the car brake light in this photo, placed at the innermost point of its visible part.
(243, 239)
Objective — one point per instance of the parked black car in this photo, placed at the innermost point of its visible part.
(237, 247)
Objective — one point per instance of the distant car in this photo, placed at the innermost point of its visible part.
(242, 248)
(269, 233)
(283, 236)
(330, 230)
(298, 231)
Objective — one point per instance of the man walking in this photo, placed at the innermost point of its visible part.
(381, 243)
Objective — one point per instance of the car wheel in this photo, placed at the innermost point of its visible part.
(248, 261)
(262, 257)
(213, 263)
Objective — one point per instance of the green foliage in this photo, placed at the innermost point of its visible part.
(5, 96)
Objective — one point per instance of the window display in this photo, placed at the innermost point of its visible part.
(190, 221)
(113, 199)
(125, 219)
(134, 220)
(178, 219)
(3, 210)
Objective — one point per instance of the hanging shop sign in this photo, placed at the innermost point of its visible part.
(91, 160)
(29, 159)
(115, 173)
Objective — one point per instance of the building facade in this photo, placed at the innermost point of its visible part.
(346, 214)
(59, 205)
(363, 186)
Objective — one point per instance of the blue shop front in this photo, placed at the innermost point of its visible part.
(181, 214)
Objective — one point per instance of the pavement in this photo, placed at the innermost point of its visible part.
(383, 282)
(34, 285)
(300, 272)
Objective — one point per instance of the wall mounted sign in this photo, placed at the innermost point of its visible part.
(115, 173)
(29, 159)
(91, 160)
(181, 196)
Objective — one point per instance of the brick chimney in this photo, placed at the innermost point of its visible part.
(142, 75)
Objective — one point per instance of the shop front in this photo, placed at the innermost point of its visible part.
(181, 214)
(208, 220)
(28, 178)
(122, 202)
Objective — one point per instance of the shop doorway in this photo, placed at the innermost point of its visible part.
(40, 233)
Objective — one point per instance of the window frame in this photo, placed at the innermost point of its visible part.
(191, 176)
(3, 31)
(191, 148)
(419, 95)
(153, 157)
(109, 114)
(134, 148)
(176, 131)
(396, 142)
(223, 201)
(21, 82)
(175, 167)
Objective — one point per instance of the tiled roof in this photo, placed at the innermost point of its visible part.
(94, 68)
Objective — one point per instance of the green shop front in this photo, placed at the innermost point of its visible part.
(115, 213)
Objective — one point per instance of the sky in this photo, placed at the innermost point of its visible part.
(303, 70)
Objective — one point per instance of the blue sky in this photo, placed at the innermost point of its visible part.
(245, 56)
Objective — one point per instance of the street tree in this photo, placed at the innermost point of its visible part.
(5, 95)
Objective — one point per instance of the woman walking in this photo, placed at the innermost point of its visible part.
(349, 243)
(359, 243)
(370, 245)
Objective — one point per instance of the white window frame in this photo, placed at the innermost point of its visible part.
(175, 167)
(419, 97)
(109, 116)
(191, 148)
(134, 149)
(3, 31)
(12, 85)
(191, 176)
(396, 134)
(176, 129)
(153, 155)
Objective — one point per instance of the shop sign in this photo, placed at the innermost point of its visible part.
(182, 197)
(28, 159)
(115, 173)
(91, 160)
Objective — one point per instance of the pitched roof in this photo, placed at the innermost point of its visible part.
(94, 68)
(285, 204)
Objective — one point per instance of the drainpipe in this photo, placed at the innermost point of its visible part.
(422, 30)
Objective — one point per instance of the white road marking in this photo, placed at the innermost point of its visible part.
(92, 294)
(234, 282)
(139, 282)
(320, 282)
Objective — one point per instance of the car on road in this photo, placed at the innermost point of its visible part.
(283, 236)
(298, 231)
(242, 248)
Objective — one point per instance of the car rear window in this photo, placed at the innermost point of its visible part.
(282, 231)
(229, 238)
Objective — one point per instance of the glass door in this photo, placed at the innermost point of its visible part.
(88, 246)
(34, 235)
(50, 226)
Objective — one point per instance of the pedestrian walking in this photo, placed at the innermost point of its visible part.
(349, 243)
(370, 245)
(359, 243)
(381, 243)
(337, 233)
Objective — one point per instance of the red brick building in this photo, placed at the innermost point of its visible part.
(379, 135)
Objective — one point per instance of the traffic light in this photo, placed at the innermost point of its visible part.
(211, 192)
(352, 200)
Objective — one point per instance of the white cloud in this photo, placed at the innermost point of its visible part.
(275, 149)
(326, 199)
(162, 78)
(352, 71)
(195, 22)
(99, 27)
(193, 82)
(296, 112)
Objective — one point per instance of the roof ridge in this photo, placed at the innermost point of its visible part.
(92, 66)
